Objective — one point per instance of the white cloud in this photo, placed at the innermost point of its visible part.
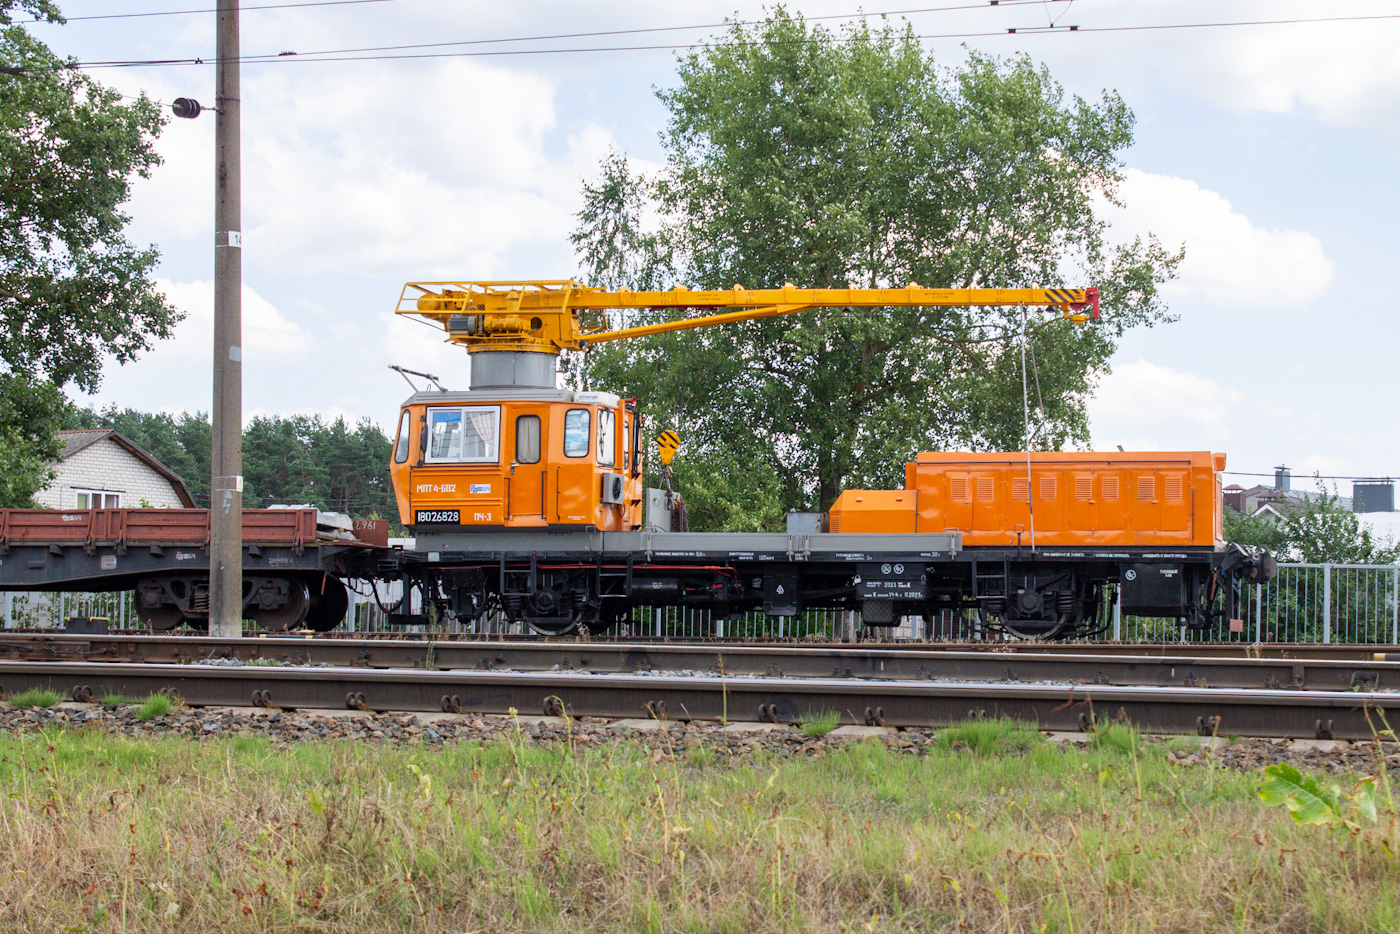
(1345, 73)
(1147, 407)
(1230, 261)
(267, 333)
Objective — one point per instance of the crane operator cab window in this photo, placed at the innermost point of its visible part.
(401, 446)
(607, 437)
(469, 433)
(576, 426)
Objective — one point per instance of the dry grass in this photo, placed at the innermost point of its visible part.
(232, 835)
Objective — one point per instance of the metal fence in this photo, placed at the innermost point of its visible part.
(1305, 603)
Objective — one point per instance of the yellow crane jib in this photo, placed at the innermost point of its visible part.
(547, 316)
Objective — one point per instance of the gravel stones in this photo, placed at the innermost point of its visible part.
(667, 737)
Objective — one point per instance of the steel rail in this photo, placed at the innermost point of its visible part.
(830, 661)
(1339, 651)
(1323, 714)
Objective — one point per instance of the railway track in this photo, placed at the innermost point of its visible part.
(1257, 712)
(1339, 651)
(839, 661)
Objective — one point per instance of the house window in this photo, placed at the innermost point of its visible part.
(470, 433)
(97, 499)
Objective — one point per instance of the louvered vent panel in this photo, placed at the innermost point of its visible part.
(1020, 489)
(835, 521)
(957, 489)
(1174, 488)
(1084, 488)
(1047, 487)
(985, 490)
(1110, 487)
(1147, 488)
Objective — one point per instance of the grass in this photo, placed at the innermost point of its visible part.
(36, 697)
(986, 833)
(156, 705)
(991, 736)
(116, 700)
(818, 723)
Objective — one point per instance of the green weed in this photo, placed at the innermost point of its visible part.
(1118, 737)
(820, 722)
(156, 705)
(991, 736)
(36, 697)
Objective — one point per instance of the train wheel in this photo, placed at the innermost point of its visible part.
(329, 604)
(1028, 628)
(286, 616)
(163, 617)
(552, 627)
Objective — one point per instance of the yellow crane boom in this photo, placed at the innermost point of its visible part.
(544, 316)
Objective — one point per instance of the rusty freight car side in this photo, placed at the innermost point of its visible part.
(1071, 498)
(291, 569)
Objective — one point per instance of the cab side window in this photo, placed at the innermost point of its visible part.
(401, 446)
(527, 439)
(607, 437)
(577, 423)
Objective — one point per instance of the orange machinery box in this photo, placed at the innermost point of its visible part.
(1080, 499)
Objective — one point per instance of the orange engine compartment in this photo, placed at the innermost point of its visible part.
(1074, 498)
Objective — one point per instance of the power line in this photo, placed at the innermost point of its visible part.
(984, 5)
(1311, 476)
(269, 6)
(1016, 31)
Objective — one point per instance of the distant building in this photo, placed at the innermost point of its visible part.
(103, 469)
(1373, 495)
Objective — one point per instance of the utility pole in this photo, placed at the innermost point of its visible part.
(226, 490)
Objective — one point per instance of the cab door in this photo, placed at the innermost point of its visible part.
(527, 479)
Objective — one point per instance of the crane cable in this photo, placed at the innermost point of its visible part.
(1026, 413)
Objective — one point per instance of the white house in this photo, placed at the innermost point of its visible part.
(102, 469)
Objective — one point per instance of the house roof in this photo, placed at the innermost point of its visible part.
(78, 439)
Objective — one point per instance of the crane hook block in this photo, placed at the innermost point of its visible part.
(666, 444)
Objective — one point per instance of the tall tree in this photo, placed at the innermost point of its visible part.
(796, 155)
(73, 289)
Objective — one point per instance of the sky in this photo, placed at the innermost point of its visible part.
(1269, 151)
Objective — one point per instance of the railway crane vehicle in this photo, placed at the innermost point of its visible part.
(529, 502)
(529, 499)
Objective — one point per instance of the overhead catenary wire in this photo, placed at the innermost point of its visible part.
(1015, 31)
(266, 6)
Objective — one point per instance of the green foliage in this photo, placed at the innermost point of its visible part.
(818, 723)
(115, 700)
(991, 736)
(36, 697)
(73, 290)
(794, 154)
(298, 459)
(155, 705)
(31, 412)
(1118, 737)
(1310, 802)
(1317, 530)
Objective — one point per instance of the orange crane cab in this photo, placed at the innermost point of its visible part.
(488, 459)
